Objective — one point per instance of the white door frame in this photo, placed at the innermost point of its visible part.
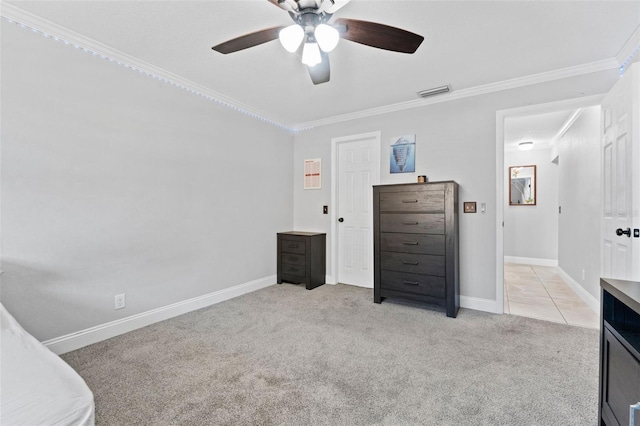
(375, 180)
(501, 115)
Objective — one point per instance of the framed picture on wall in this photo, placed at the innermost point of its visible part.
(403, 154)
(312, 173)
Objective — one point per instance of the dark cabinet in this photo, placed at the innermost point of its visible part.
(302, 258)
(619, 352)
(415, 230)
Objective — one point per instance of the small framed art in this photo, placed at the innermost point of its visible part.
(469, 206)
(403, 154)
(312, 174)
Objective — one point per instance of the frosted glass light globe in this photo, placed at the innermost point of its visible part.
(327, 37)
(311, 54)
(291, 37)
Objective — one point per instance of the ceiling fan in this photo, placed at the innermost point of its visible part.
(314, 35)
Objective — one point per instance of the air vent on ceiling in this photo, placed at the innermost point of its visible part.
(434, 91)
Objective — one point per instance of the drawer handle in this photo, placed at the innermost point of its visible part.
(410, 243)
(409, 263)
(293, 246)
(293, 269)
(293, 258)
(409, 201)
(409, 223)
(410, 282)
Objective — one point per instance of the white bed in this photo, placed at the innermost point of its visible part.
(36, 386)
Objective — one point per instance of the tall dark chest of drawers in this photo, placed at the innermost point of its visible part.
(416, 243)
(302, 258)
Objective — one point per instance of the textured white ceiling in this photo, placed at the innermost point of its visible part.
(467, 44)
(538, 128)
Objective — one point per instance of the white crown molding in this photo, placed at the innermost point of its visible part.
(566, 126)
(630, 49)
(592, 67)
(56, 32)
(64, 35)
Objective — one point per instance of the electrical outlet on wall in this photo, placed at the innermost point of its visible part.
(120, 301)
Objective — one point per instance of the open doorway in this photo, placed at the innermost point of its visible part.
(535, 234)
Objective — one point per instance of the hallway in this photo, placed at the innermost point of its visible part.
(540, 292)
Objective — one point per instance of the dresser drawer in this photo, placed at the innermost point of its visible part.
(293, 246)
(412, 223)
(413, 283)
(413, 243)
(414, 263)
(412, 201)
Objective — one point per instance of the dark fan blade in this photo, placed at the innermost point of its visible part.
(320, 73)
(248, 40)
(380, 36)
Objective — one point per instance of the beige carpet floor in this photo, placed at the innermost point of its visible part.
(330, 356)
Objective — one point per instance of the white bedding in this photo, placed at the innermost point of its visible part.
(36, 386)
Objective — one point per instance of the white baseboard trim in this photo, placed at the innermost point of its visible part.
(531, 261)
(77, 340)
(587, 297)
(328, 279)
(479, 304)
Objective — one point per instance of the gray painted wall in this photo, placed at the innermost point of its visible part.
(532, 231)
(455, 140)
(113, 182)
(580, 187)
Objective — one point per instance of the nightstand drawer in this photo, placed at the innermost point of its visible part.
(414, 263)
(293, 259)
(412, 243)
(296, 271)
(413, 283)
(412, 201)
(293, 246)
(413, 223)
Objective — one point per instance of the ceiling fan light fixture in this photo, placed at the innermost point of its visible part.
(291, 37)
(525, 146)
(327, 37)
(311, 54)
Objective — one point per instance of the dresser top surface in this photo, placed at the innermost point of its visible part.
(420, 184)
(627, 292)
(302, 233)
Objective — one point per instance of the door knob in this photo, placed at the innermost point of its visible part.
(626, 232)
(341, 219)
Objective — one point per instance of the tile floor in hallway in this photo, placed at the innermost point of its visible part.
(539, 292)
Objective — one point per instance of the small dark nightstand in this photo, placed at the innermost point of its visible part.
(302, 258)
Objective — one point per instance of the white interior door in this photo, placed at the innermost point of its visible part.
(621, 174)
(358, 168)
